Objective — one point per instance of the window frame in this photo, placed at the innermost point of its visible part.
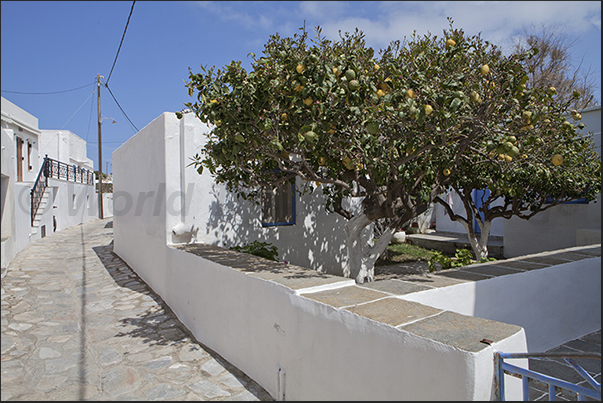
(293, 209)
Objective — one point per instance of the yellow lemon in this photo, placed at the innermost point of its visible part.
(428, 109)
(557, 160)
(474, 96)
(484, 70)
(410, 93)
(450, 42)
(348, 163)
(380, 93)
(447, 172)
(300, 68)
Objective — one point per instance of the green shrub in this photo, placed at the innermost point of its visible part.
(462, 257)
(439, 258)
(261, 249)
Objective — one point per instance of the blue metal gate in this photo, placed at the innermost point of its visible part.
(554, 384)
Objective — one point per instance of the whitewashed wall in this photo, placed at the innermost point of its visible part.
(7, 198)
(107, 205)
(327, 353)
(16, 223)
(556, 228)
(65, 146)
(554, 305)
(445, 224)
(210, 213)
(139, 215)
(55, 144)
(17, 231)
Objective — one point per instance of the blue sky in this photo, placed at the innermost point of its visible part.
(52, 46)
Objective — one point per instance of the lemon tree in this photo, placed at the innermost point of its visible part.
(534, 160)
(390, 129)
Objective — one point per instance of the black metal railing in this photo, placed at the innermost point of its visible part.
(56, 170)
(37, 191)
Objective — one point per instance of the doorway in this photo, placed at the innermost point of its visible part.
(19, 159)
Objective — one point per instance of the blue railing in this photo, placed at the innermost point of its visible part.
(554, 384)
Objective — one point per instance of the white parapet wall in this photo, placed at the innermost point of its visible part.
(301, 349)
(554, 304)
(294, 346)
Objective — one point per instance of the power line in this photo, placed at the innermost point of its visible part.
(48, 93)
(78, 109)
(89, 120)
(120, 43)
(133, 125)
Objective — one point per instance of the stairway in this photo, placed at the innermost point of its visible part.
(41, 209)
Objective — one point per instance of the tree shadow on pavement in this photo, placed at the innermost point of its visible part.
(159, 325)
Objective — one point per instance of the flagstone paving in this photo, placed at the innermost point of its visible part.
(79, 324)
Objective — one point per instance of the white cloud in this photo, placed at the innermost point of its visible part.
(322, 9)
(239, 14)
(497, 21)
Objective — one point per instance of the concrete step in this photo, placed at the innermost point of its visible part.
(449, 242)
(41, 208)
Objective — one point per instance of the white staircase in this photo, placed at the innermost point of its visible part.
(41, 209)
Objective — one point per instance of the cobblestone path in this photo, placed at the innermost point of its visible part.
(79, 324)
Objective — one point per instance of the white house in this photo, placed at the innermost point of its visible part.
(64, 193)
(562, 226)
(164, 192)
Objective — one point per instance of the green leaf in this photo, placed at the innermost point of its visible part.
(454, 105)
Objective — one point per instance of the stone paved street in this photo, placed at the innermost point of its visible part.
(79, 324)
(560, 369)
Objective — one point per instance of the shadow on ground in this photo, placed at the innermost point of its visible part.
(386, 272)
(146, 326)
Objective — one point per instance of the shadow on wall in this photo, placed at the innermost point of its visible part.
(316, 240)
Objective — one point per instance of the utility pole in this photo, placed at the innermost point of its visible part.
(100, 152)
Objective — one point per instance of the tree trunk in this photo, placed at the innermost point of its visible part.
(479, 246)
(362, 255)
